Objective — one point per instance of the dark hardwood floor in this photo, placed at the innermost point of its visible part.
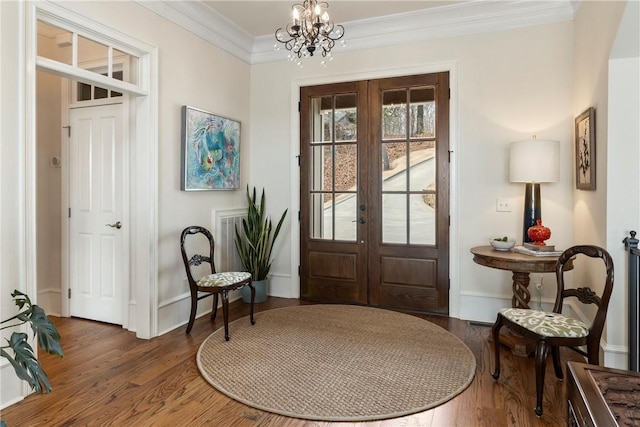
(108, 377)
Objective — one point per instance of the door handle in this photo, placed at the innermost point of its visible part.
(117, 225)
(361, 220)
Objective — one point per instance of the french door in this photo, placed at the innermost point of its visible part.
(374, 182)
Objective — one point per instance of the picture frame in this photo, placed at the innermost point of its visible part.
(585, 142)
(210, 151)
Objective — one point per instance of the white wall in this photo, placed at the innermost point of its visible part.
(623, 180)
(49, 191)
(506, 86)
(595, 29)
(12, 243)
(596, 26)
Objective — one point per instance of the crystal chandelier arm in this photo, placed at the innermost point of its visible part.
(289, 42)
(310, 29)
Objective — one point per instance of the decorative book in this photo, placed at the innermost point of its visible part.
(527, 251)
(539, 248)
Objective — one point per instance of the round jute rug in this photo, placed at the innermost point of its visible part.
(337, 363)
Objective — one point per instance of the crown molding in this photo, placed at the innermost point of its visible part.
(471, 17)
(205, 23)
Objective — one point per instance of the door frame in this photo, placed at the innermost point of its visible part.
(452, 68)
(142, 310)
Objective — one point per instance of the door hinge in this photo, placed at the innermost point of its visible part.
(298, 106)
(68, 128)
(449, 220)
(299, 216)
(449, 283)
(69, 212)
(298, 156)
(450, 151)
(69, 293)
(299, 269)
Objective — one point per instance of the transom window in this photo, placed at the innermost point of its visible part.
(102, 70)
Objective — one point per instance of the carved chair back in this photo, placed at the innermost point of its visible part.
(196, 259)
(586, 295)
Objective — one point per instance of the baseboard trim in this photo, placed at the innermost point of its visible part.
(482, 308)
(614, 356)
(13, 389)
(50, 299)
(280, 286)
(174, 312)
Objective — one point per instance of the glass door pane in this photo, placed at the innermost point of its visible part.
(408, 173)
(333, 168)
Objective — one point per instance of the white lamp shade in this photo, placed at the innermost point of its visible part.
(534, 161)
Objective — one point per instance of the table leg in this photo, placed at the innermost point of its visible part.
(521, 294)
(521, 297)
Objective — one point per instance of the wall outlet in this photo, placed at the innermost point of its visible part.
(538, 283)
(503, 205)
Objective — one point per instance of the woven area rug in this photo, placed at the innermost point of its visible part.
(337, 363)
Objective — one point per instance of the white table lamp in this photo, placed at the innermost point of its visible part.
(533, 162)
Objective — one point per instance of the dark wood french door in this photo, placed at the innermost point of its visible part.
(374, 192)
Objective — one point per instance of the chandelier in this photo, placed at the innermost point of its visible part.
(309, 31)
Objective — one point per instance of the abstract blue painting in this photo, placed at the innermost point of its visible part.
(210, 151)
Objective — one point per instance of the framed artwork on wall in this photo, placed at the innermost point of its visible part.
(585, 135)
(210, 151)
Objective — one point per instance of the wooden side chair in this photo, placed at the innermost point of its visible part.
(214, 283)
(550, 330)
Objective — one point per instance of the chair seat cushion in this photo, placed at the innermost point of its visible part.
(546, 324)
(223, 279)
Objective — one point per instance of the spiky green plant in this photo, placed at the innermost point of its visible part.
(24, 360)
(255, 246)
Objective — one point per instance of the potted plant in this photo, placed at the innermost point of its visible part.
(255, 244)
(24, 360)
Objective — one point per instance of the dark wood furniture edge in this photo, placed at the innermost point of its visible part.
(585, 397)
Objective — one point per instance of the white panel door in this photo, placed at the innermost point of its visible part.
(97, 229)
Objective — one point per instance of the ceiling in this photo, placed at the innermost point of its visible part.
(260, 18)
(246, 29)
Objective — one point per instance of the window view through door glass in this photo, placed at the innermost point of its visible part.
(408, 166)
(334, 168)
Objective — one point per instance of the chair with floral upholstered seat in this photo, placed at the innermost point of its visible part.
(214, 283)
(551, 330)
